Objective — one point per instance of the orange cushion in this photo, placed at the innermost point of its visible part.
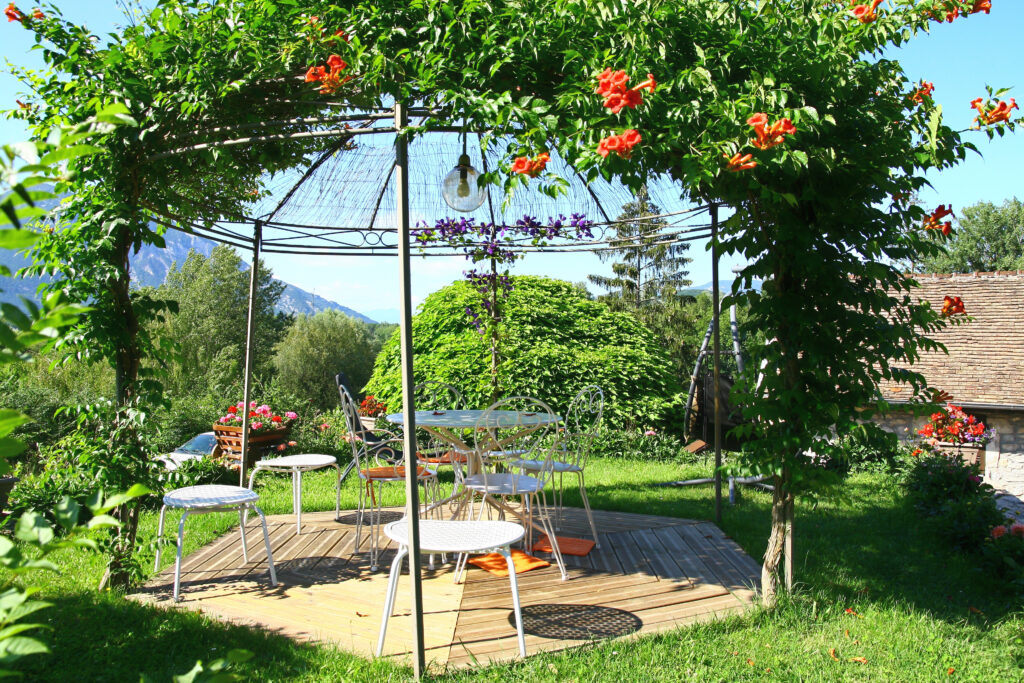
(445, 459)
(391, 472)
(568, 546)
(496, 564)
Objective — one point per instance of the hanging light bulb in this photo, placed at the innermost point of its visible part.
(460, 188)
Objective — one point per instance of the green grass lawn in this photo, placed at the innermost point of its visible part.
(920, 610)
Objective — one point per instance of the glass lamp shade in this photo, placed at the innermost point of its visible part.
(460, 189)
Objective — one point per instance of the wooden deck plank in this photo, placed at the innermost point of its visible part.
(651, 574)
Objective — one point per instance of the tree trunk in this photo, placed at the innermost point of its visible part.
(128, 354)
(127, 359)
(782, 501)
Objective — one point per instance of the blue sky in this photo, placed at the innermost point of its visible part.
(959, 58)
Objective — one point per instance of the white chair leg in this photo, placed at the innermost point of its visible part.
(515, 599)
(552, 539)
(297, 499)
(376, 508)
(177, 560)
(266, 542)
(252, 478)
(389, 600)
(242, 514)
(159, 537)
(586, 507)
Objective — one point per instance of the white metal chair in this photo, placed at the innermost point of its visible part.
(201, 500)
(459, 537)
(296, 465)
(378, 464)
(436, 395)
(512, 430)
(580, 426)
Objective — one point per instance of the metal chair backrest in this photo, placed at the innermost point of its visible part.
(517, 428)
(436, 395)
(366, 446)
(580, 426)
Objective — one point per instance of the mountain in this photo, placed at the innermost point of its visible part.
(151, 265)
(724, 286)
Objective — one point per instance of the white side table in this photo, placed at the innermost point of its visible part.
(201, 500)
(457, 537)
(297, 464)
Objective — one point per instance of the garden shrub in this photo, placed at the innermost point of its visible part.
(60, 474)
(1003, 551)
(198, 472)
(865, 448)
(554, 341)
(952, 493)
(640, 444)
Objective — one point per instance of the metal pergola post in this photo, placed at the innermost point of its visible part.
(715, 307)
(401, 179)
(250, 330)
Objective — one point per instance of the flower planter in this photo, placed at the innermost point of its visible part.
(369, 423)
(969, 453)
(229, 441)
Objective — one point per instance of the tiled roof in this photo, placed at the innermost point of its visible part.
(986, 355)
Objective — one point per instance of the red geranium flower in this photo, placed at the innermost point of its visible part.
(275, 418)
(233, 409)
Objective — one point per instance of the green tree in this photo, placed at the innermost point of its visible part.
(647, 272)
(649, 275)
(987, 238)
(556, 341)
(318, 347)
(212, 296)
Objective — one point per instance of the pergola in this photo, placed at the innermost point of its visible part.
(369, 175)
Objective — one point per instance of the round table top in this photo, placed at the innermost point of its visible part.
(457, 536)
(467, 419)
(208, 496)
(299, 460)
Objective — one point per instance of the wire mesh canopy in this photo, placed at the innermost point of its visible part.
(343, 200)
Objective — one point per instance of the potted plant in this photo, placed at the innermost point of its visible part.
(952, 431)
(369, 410)
(266, 430)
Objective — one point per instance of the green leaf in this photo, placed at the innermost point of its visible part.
(15, 238)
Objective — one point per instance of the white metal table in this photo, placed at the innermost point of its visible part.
(457, 537)
(201, 500)
(297, 464)
(447, 425)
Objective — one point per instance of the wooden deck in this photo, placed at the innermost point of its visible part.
(650, 574)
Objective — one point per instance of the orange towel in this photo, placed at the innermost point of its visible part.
(495, 563)
(568, 546)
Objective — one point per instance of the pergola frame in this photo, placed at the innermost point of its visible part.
(324, 240)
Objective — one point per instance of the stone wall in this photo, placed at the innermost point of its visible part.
(1004, 455)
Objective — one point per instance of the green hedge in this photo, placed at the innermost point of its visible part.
(555, 341)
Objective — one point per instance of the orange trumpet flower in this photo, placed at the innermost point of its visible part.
(739, 162)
